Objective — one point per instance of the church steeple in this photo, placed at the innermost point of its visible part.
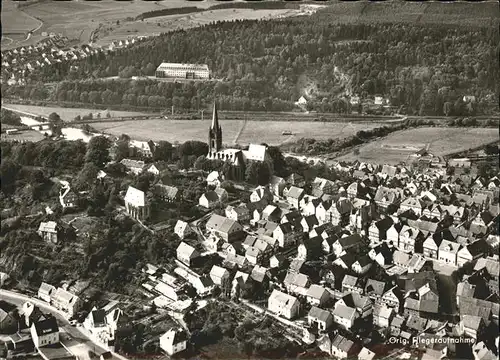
(215, 118)
(214, 133)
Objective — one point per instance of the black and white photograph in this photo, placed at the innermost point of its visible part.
(249, 180)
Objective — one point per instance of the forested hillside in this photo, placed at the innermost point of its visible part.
(268, 65)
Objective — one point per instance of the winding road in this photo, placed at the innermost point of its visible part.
(40, 24)
(75, 340)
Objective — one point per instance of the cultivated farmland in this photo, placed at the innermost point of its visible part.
(160, 24)
(15, 23)
(440, 141)
(109, 20)
(416, 12)
(233, 131)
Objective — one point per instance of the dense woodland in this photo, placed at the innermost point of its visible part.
(268, 65)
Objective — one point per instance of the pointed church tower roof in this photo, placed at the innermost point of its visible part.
(215, 118)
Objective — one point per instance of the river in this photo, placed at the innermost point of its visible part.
(69, 133)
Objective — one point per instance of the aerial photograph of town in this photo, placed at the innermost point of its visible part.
(236, 179)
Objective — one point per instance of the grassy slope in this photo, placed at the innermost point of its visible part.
(87, 17)
(441, 141)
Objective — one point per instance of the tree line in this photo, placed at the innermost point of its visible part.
(268, 65)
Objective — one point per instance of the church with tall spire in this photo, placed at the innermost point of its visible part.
(236, 157)
(215, 133)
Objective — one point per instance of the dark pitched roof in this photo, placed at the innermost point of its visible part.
(384, 224)
(48, 326)
(311, 220)
(374, 287)
(350, 240)
(99, 316)
(364, 260)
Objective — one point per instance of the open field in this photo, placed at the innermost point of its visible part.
(83, 21)
(24, 135)
(233, 131)
(68, 114)
(15, 20)
(441, 141)
(462, 13)
(160, 24)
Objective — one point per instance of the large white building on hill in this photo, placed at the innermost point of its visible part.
(184, 71)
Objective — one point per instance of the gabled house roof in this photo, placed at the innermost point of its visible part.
(384, 250)
(424, 226)
(270, 210)
(49, 226)
(350, 240)
(213, 176)
(218, 271)
(135, 197)
(413, 202)
(170, 192)
(64, 296)
(382, 311)
(286, 228)
(47, 326)
(211, 196)
(174, 336)
(129, 163)
(384, 224)
(343, 344)
(222, 224)
(471, 321)
(98, 317)
(356, 300)
(320, 314)
(186, 250)
(416, 323)
(316, 292)
(296, 279)
(258, 273)
(181, 226)
(374, 287)
(345, 312)
(363, 261)
(46, 288)
(294, 192)
(348, 259)
(491, 265)
(366, 354)
(466, 289)
(350, 280)
(449, 246)
(391, 195)
(310, 220)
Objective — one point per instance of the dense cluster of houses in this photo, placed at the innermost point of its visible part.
(367, 253)
(19, 62)
(341, 260)
(34, 330)
(61, 298)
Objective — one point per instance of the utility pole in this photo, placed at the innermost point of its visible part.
(172, 110)
(202, 114)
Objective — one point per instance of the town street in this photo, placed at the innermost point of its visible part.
(75, 340)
